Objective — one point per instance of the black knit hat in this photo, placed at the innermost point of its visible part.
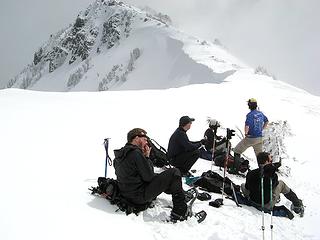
(184, 120)
(136, 132)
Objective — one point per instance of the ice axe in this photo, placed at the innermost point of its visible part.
(108, 159)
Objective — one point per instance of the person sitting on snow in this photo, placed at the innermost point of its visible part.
(138, 183)
(183, 153)
(210, 136)
(252, 187)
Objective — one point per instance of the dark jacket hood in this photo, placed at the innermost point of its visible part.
(121, 153)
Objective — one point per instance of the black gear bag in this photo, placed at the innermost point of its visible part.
(212, 182)
(158, 154)
(108, 188)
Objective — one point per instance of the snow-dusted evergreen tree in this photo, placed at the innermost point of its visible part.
(134, 55)
(38, 56)
(56, 57)
(75, 77)
(111, 33)
(78, 41)
(263, 71)
(116, 26)
(118, 73)
(274, 141)
(164, 18)
(111, 76)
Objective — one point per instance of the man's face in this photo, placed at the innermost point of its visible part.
(269, 161)
(142, 141)
(187, 126)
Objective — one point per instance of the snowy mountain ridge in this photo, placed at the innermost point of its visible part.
(113, 46)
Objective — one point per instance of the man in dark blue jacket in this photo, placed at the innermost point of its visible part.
(181, 152)
(137, 181)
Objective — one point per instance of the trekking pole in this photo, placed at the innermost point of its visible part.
(271, 203)
(219, 201)
(213, 146)
(224, 168)
(230, 133)
(108, 159)
(262, 201)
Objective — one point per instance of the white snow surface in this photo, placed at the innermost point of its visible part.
(52, 152)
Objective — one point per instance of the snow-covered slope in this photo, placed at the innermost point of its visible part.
(113, 46)
(51, 152)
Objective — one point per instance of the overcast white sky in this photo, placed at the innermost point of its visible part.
(281, 35)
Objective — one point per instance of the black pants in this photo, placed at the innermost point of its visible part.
(169, 181)
(185, 160)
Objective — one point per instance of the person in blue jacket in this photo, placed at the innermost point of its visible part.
(183, 153)
(256, 121)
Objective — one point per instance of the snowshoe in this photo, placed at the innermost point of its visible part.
(200, 216)
(189, 194)
(298, 209)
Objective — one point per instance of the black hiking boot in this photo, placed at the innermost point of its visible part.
(297, 205)
(175, 217)
(200, 216)
(180, 208)
(298, 209)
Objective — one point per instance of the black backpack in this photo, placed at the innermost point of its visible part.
(108, 188)
(235, 165)
(213, 182)
(158, 154)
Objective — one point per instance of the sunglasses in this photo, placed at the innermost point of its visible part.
(141, 135)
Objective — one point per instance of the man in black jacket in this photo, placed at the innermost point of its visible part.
(138, 183)
(181, 152)
(252, 188)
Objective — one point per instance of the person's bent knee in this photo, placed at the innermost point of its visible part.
(175, 172)
(284, 187)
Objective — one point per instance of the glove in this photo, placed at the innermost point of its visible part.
(269, 170)
(203, 141)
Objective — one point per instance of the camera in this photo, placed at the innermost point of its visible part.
(230, 133)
